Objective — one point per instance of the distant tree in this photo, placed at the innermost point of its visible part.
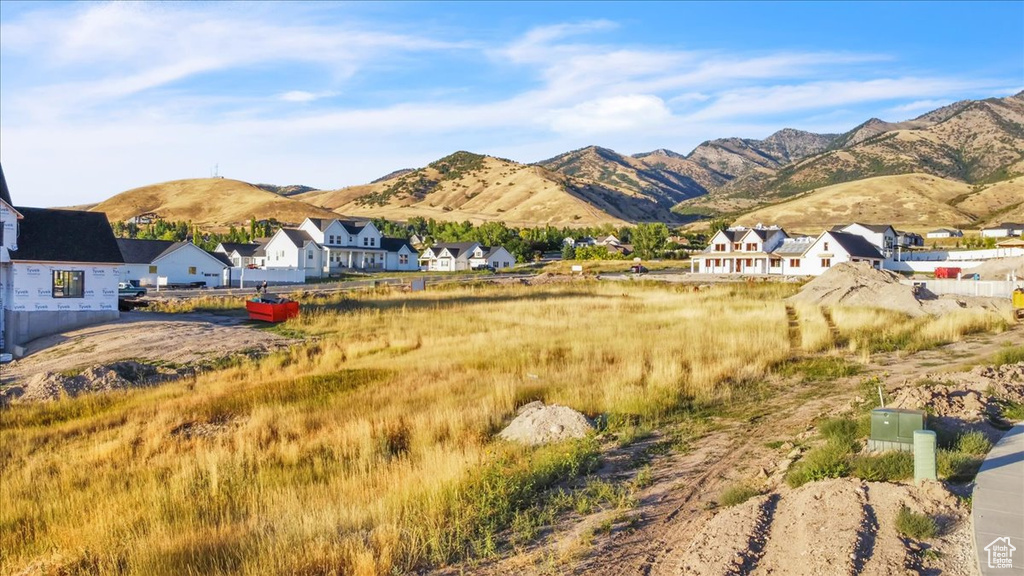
(649, 239)
(717, 225)
(568, 252)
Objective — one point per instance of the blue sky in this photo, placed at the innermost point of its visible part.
(97, 98)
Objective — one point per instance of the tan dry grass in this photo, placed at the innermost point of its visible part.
(209, 202)
(368, 450)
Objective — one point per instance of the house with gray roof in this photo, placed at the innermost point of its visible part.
(322, 247)
(163, 262)
(456, 256)
(770, 250)
(58, 271)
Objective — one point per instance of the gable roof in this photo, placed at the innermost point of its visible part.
(5, 193)
(880, 228)
(82, 237)
(244, 250)
(794, 246)
(136, 251)
(395, 244)
(352, 226)
(222, 258)
(297, 237)
(454, 248)
(855, 245)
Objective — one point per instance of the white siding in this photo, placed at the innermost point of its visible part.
(32, 287)
(188, 264)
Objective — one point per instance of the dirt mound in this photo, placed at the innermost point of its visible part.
(536, 423)
(101, 378)
(957, 401)
(999, 268)
(833, 527)
(858, 284)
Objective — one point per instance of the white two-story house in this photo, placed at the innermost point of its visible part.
(322, 247)
(455, 256)
(742, 250)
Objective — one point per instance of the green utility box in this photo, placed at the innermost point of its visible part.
(893, 429)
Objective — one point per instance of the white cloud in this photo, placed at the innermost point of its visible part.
(614, 114)
(300, 96)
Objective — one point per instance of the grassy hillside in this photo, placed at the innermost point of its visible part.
(465, 186)
(1003, 201)
(214, 202)
(905, 200)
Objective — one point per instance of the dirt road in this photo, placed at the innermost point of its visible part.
(176, 339)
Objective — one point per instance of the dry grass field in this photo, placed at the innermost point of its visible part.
(370, 448)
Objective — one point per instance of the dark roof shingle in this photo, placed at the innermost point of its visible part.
(857, 246)
(5, 193)
(47, 235)
(136, 251)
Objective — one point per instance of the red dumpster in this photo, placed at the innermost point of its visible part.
(947, 272)
(272, 311)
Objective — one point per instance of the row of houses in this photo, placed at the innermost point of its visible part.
(770, 250)
(1002, 230)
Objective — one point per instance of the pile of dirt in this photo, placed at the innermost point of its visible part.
(841, 526)
(999, 268)
(958, 401)
(536, 423)
(101, 378)
(859, 284)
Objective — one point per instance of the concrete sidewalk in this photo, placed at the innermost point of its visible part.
(998, 508)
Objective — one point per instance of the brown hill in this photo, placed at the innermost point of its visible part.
(466, 186)
(910, 200)
(975, 142)
(633, 176)
(214, 202)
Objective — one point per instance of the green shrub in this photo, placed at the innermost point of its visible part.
(1008, 356)
(830, 460)
(737, 494)
(840, 430)
(957, 466)
(916, 525)
(820, 369)
(973, 443)
(1013, 411)
(887, 467)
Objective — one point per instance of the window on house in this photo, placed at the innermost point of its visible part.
(826, 246)
(152, 269)
(68, 284)
(751, 247)
(373, 241)
(736, 246)
(403, 258)
(366, 241)
(826, 262)
(192, 270)
(794, 262)
(719, 247)
(309, 255)
(776, 262)
(350, 240)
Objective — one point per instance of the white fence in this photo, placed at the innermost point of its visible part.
(930, 266)
(250, 277)
(991, 289)
(959, 255)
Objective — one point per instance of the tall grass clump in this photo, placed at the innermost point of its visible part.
(1010, 355)
(915, 524)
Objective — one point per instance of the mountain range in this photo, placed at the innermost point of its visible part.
(975, 147)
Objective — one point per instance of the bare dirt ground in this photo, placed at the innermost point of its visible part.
(834, 527)
(174, 340)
